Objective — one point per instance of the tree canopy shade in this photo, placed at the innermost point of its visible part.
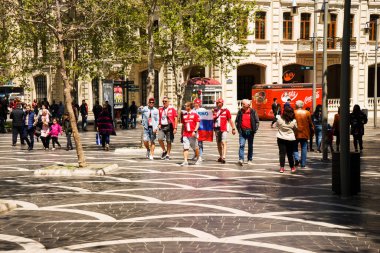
(78, 37)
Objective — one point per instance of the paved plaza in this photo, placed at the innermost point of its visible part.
(159, 206)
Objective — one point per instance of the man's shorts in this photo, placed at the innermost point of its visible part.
(190, 142)
(149, 135)
(166, 132)
(220, 136)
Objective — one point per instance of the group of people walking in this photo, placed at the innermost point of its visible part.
(41, 125)
(162, 124)
(296, 128)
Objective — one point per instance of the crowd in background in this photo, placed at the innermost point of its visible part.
(297, 127)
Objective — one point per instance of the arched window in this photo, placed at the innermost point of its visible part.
(40, 84)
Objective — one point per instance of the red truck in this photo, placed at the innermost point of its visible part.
(263, 94)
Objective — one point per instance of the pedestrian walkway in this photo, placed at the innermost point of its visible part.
(159, 206)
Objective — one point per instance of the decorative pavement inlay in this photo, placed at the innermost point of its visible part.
(159, 206)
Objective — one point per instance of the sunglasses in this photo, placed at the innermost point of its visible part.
(165, 101)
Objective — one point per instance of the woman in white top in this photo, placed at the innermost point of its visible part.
(286, 125)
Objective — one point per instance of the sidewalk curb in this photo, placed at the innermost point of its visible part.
(68, 170)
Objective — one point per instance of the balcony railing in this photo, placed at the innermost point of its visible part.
(333, 43)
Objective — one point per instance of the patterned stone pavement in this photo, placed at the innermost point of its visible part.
(159, 206)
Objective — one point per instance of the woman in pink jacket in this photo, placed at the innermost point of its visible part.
(55, 130)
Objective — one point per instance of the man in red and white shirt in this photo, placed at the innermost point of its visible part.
(167, 125)
(222, 117)
(190, 125)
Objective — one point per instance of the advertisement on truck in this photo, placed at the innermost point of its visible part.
(263, 94)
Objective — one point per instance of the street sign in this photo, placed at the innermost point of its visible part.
(306, 67)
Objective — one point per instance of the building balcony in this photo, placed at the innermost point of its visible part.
(333, 43)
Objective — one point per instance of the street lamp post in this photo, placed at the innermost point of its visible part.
(344, 159)
(377, 25)
(324, 82)
(315, 56)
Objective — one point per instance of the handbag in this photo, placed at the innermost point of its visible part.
(98, 139)
(37, 132)
(311, 130)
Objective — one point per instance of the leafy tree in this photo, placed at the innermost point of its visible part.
(203, 32)
(78, 37)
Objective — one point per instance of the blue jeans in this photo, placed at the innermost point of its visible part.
(30, 133)
(84, 122)
(200, 146)
(133, 120)
(243, 137)
(318, 136)
(303, 151)
(105, 139)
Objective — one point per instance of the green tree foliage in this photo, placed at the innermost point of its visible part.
(77, 37)
(202, 32)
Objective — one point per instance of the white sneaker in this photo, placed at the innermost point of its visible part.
(199, 161)
(107, 147)
(147, 153)
(184, 164)
(200, 158)
(151, 157)
(53, 149)
(241, 162)
(250, 163)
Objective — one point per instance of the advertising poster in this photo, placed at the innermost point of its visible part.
(108, 92)
(118, 97)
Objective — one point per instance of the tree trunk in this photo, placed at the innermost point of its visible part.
(67, 90)
(180, 84)
(151, 49)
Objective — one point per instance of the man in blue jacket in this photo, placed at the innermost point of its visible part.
(29, 126)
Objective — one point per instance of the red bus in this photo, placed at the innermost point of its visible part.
(263, 94)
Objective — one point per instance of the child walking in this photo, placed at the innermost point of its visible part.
(55, 130)
(68, 131)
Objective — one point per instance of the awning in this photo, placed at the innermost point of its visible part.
(202, 81)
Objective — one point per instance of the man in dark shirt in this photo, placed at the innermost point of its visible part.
(276, 110)
(247, 124)
(84, 113)
(96, 109)
(133, 112)
(18, 123)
